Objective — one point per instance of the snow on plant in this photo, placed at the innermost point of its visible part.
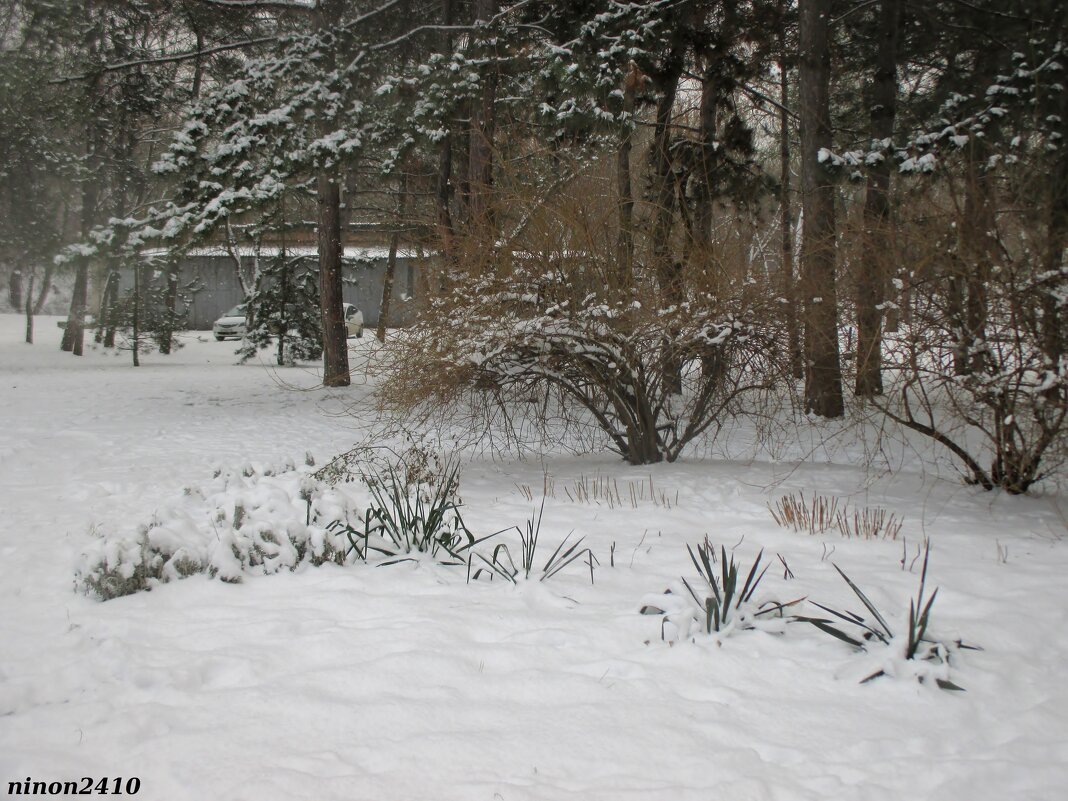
(652, 378)
(910, 653)
(720, 604)
(247, 521)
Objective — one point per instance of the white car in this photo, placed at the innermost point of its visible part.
(231, 324)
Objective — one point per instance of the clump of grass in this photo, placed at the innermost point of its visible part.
(820, 513)
(814, 515)
(502, 563)
(869, 523)
(407, 516)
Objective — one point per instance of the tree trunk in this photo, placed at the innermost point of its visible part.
(701, 239)
(668, 270)
(74, 334)
(483, 131)
(170, 310)
(823, 370)
(1054, 323)
(624, 187)
(14, 289)
(873, 271)
(46, 287)
(335, 339)
(391, 261)
(29, 311)
(137, 315)
(972, 265)
(786, 225)
(444, 188)
(107, 321)
(328, 188)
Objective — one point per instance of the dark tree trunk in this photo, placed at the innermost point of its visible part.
(1054, 321)
(391, 261)
(873, 270)
(668, 269)
(624, 187)
(972, 265)
(107, 321)
(823, 370)
(328, 189)
(46, 287)
(29, 311)
(701, 238)
(14, 289)
(136, 345)
(786, 225)
(444, 193)
(170, 307)
(335, 339)
(483, 131)
(74, 334)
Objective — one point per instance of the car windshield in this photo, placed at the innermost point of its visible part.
(237, 311)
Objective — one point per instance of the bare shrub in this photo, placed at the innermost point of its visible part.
(557, 329)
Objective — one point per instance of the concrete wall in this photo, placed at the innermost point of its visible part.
(208, 286)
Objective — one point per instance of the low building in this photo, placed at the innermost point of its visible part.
(209, 284)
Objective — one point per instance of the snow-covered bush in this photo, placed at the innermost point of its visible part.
(243, 521)
(549, 332)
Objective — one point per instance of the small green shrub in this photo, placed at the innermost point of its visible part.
(725, 604)
(504, 565)
(915, 645)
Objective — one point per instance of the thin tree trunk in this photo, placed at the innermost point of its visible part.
(444, 187)
(137, 316)
(625, 238)
(823, 370)
(873, 270)
(335, 339)
(46, 287)
(701, 238)
(786, 224)
(391, 261)
(1054, 322)
(972, 266)
(483, 131)
(14, 289)
(74, 333)
(108, 309)
(668, 270)
(170, 309)
(29, 310)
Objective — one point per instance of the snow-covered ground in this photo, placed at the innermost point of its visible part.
(406, 682)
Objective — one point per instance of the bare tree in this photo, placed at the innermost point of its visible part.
(872, 271)
(823, 370)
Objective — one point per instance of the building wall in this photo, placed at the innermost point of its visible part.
(208, 286)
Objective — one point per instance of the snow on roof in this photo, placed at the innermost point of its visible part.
(270, 251)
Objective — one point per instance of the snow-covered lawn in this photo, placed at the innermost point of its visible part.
(406, 682)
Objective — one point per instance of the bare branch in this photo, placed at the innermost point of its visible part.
(171, 59)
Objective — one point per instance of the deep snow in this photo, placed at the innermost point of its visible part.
(404, 682)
